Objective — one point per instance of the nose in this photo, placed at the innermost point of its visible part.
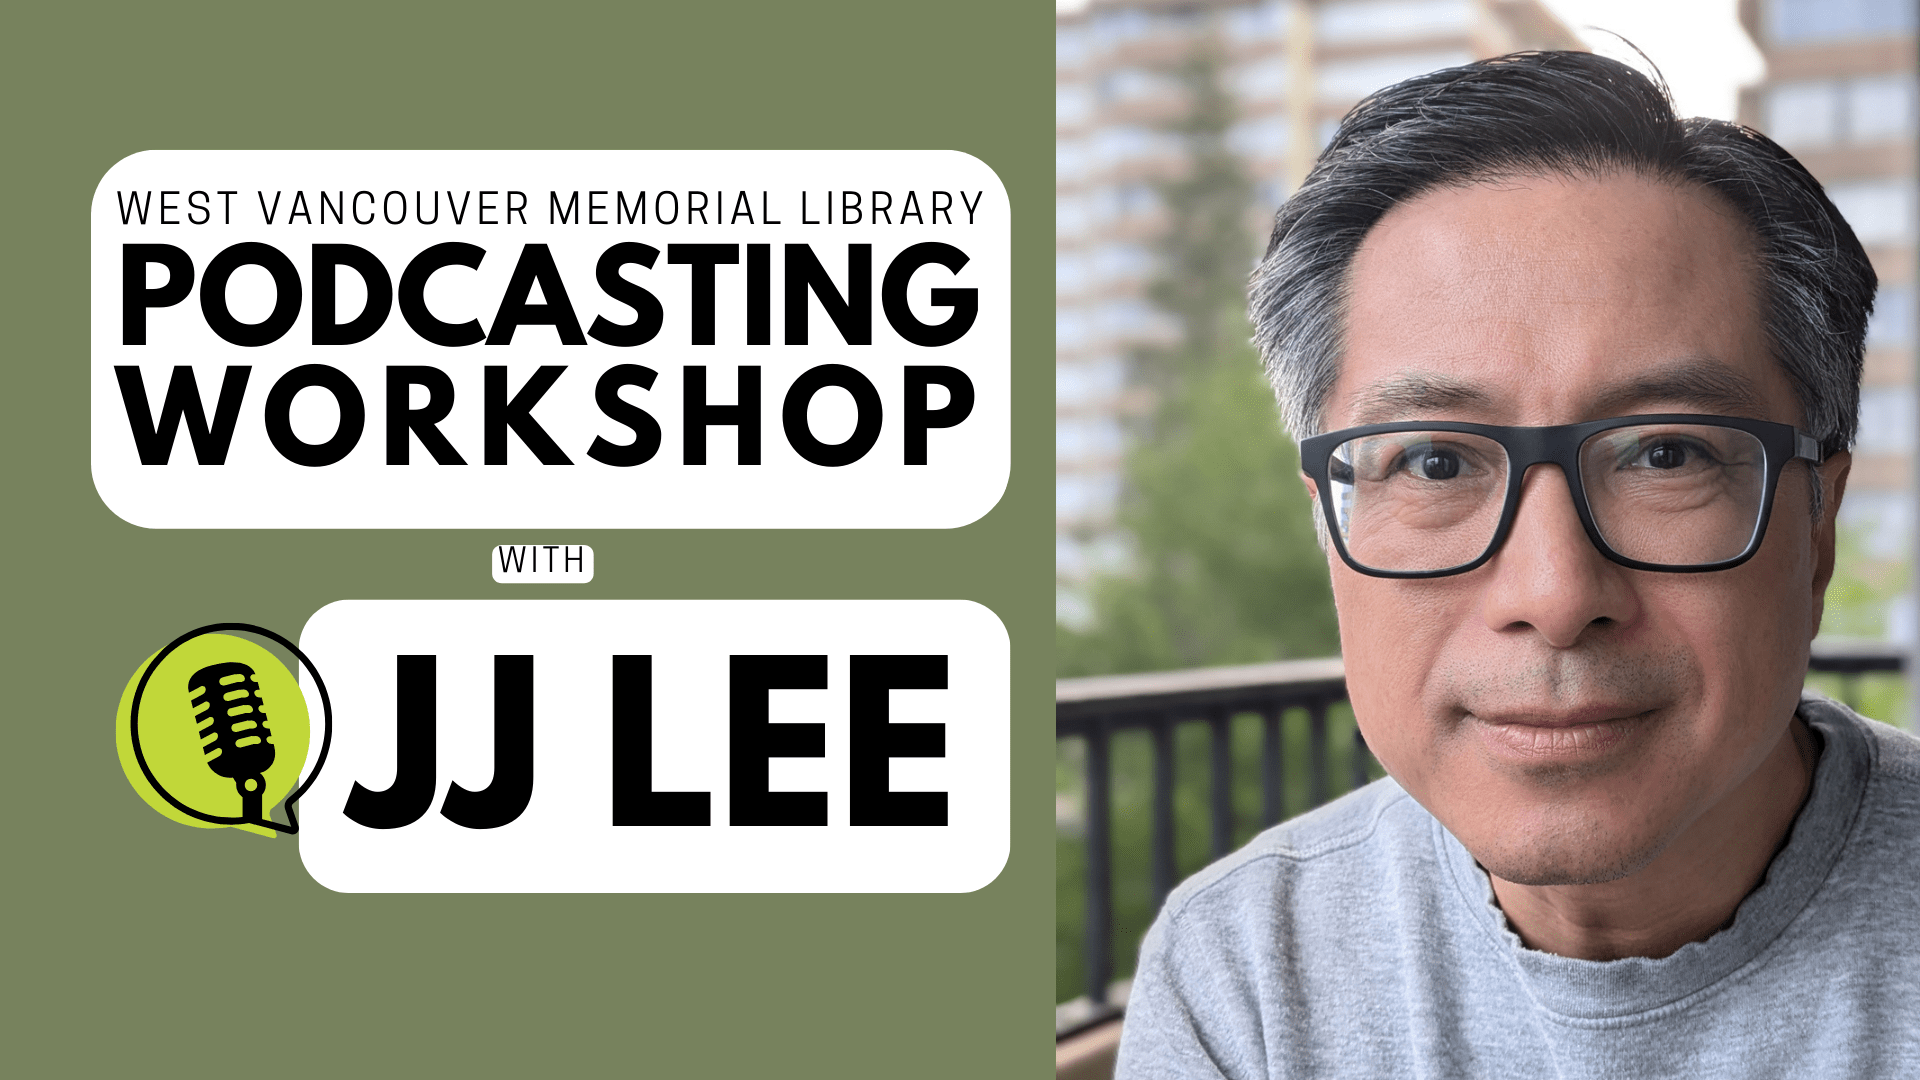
(1548, 576)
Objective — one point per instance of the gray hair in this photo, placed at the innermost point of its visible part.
(1559, 113)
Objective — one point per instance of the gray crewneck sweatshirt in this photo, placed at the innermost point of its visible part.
(1362, 940)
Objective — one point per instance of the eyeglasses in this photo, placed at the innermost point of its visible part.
(1672, 492)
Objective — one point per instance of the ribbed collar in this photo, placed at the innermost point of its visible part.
(1605, 992)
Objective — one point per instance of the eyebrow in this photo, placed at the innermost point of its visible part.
(1417, 392)
(1696, 383)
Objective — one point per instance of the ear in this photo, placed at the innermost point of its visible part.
(1313, 490)
(1832, 475)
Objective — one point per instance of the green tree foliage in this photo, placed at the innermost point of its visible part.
(1865, 586)
(1225, 568)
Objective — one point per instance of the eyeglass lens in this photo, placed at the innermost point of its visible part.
(1665, 494)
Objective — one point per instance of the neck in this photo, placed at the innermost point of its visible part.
(1691, 889)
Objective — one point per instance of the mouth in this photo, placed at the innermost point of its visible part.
(1560, 736)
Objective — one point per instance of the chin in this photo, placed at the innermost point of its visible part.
(1582, 854)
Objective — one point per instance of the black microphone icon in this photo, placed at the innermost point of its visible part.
(233, 730)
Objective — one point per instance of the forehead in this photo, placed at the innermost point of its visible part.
(1543, 300)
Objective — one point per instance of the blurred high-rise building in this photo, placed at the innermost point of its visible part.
(1292, 68)
(1839, 94)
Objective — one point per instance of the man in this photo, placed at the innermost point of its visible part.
(1579, 380)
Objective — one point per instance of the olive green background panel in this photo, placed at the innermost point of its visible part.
(134, 943)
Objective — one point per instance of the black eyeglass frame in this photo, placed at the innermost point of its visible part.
(1560, 445)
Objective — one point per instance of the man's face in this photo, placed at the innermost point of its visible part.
(1566, 717)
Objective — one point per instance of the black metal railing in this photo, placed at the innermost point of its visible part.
(1850, 660)
(1095, 709)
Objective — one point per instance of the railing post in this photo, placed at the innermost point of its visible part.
(1098, 942)
(1357, 778)
(1317, 750)
(1222, 782)
(1162, 867)
(1273, 802)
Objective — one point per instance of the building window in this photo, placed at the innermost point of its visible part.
(1120, 261)
(1133, 319)
(1260, 137)
(1072, 105)
(1351, 80)
(1892, 324)
(1070, 329)
(1089, 382)
(1069, 216)
(1366, 21)
(1086, 438)
(1265, 21)
(1076, 272)
(1886, 420)
(1069, 273)
(1081, 496)
(1270, 194)
(1132, 84)
(1069, 160)
(1804, 114)
(1799, 22)
(1118, 26)
(1880, 211)
(1069, 46)
(1135, 200)
(1880, 108)
(1822, 112)
(1262, 80)
(1125, 144)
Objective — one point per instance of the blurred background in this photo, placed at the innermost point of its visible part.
(1200, 695)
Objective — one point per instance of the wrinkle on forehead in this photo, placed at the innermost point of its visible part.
(1580, 295)
(1693, 384)
(1454, 229)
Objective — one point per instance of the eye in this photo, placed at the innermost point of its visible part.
(1666, 455)
(1433, 463)
(1442, 460)
(1670, 454)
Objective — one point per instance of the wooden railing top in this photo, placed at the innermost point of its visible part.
(1853, 655)
(1191, 687)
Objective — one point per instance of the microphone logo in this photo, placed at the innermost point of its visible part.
(214, 730)
(233, 729)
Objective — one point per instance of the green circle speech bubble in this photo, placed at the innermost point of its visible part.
(221, 722)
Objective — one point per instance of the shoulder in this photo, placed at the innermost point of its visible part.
(1348, 845)
(1891, 756)
(1883, 763)
(1243, 952)
(1896, 753)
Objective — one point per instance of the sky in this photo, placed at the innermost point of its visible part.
(1698, 44)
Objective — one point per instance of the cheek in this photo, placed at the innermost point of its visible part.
(1750, 626)
(1391, 635)
(1747, 632)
